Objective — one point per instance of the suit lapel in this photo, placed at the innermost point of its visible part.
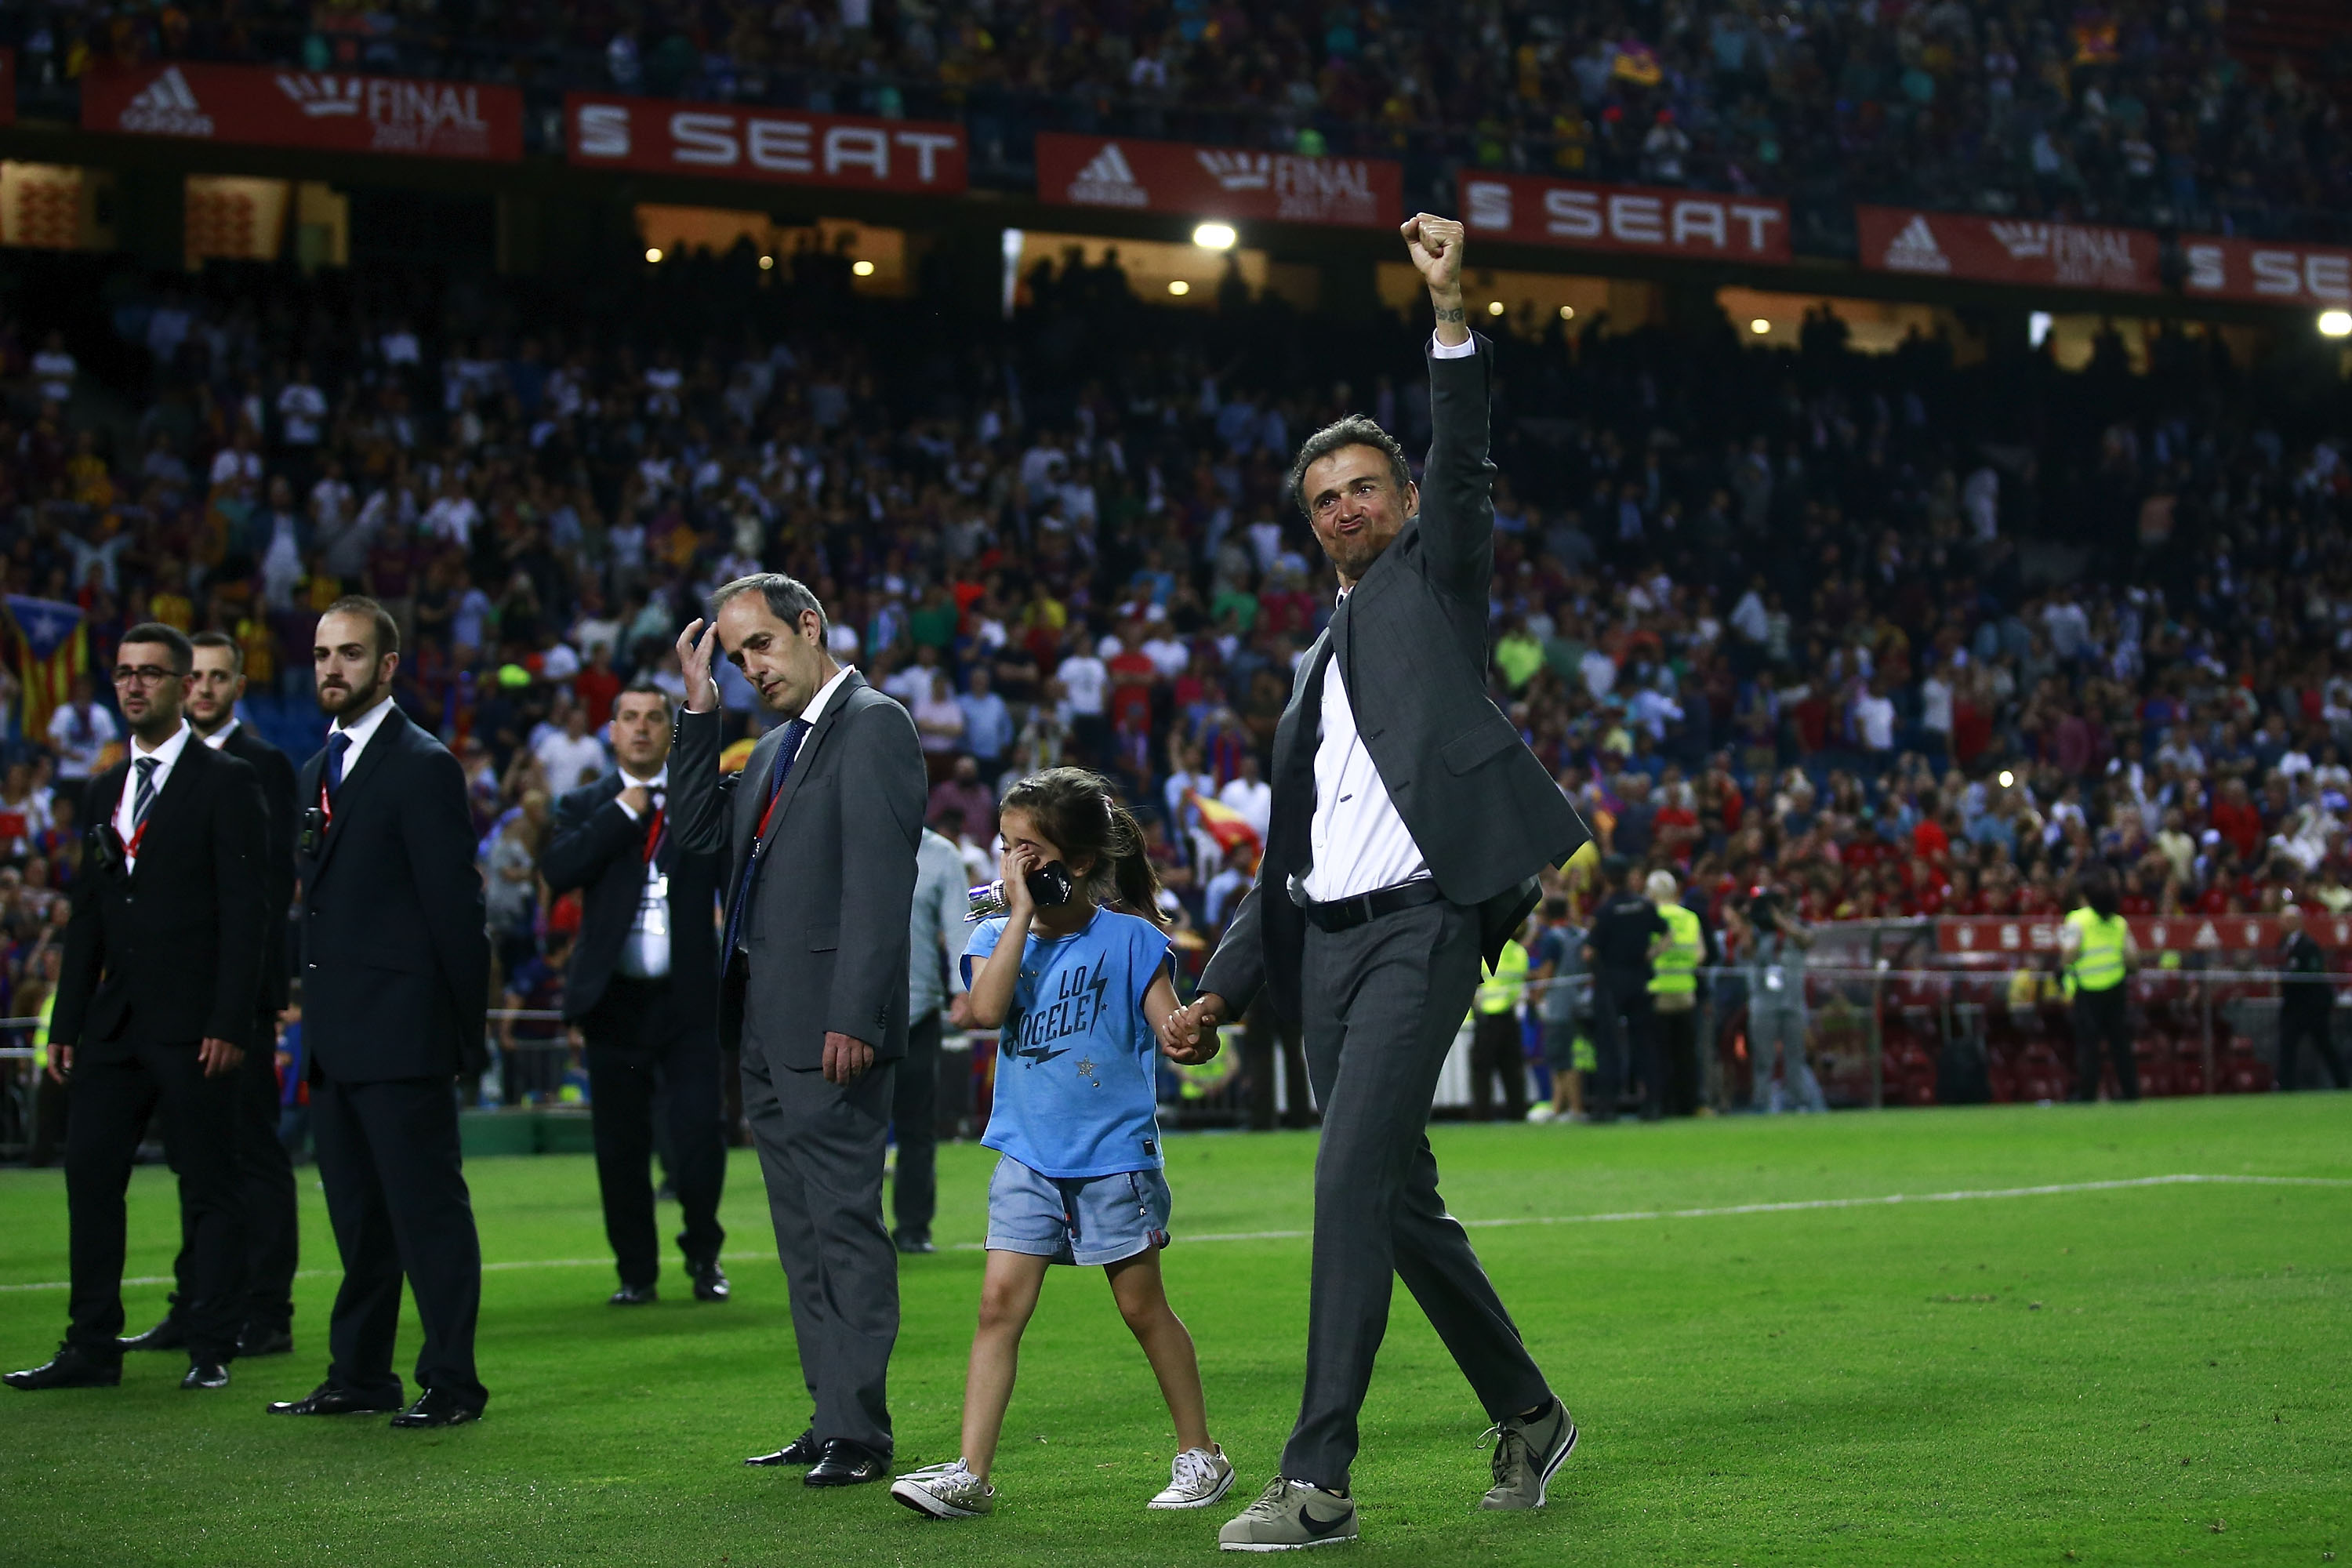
(806, 757)
(178, 790)
(355, 781)
(752, 796)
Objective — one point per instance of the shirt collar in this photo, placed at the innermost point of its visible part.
(169, 751)
(659, 781)
(824, 694)
(219, 737)
(368, 723)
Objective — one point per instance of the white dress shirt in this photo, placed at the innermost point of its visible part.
(644, 953)
(823, 698)
(166, 756)
(1359, 841)
(219, 737)
(361, 731)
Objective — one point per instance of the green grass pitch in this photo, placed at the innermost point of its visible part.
(2125, 1375)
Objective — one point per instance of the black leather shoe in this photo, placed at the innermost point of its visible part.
(256, 1340)
(167, 1335)
(71, 1367)
(633, 1296)
(913, 1242)
(804, 1449)
(206, 1375)
(709, 1281)
(847, 1463)
(435, 1409)
(328, 1400)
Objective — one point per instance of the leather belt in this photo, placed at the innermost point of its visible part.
(1346, 914)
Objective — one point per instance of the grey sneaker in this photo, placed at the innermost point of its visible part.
(1526, 1457)
(945, 1491)
(1288, 1517)
(1199, 1478)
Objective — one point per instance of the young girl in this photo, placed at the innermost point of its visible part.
(1071, 987)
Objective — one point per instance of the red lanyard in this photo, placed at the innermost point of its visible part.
(654, 832)
(326, 807)
(130, 845)
(760, 835)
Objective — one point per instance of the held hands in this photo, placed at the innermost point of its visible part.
(1189, 1035)
(218, 1057)
(847, 1058)
(696, 648)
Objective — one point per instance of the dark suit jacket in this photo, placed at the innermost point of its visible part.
(1410, 642)
(598, 849)
(395, 955)
(828, 927)
(276, 771)
(170, 952)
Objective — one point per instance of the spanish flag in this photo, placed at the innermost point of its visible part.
(1224, 824)
(52, 647)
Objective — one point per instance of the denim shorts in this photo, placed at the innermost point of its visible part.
(1089, 1220)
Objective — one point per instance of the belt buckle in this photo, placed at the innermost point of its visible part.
(1363, 901)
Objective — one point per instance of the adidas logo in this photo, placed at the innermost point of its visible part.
(1109, 181)
(322, 96)
(1915, 250)
(166, 107)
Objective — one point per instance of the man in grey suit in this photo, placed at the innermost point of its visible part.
(1409, 825)
(818, 833)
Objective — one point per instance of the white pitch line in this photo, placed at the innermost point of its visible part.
(1800, 1206)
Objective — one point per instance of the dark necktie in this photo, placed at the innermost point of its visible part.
(795, 731)
(337, 744)
(144, 801)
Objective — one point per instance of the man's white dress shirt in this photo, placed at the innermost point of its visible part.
(166, 756)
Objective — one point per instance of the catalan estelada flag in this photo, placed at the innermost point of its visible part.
(52, 647)
(1224, 824)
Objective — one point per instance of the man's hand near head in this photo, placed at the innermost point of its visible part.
(1435, 246)
(695, 649)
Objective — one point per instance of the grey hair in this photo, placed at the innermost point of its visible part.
(1355, 430)
(788, 599)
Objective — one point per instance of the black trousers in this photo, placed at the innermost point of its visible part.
(641, 1065)
(1496, 1051)
(113, 1095)
(2102, 1017)
(2314, 1021)
(1673, 1090)
(915, 1123)
(1383, 1004)
(389, 1158)
(1622, 1039)
(1263, 1031)
(265, 1174)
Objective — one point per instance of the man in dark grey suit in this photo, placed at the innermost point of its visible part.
(818, 834)
(1409, 825)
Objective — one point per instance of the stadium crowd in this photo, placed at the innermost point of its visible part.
(1926, 637)
(2120, 113)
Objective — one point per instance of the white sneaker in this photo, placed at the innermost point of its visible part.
(1540, 1113)
(1199, 1477)
(945, 1491)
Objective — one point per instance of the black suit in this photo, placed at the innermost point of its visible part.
(158, 958)
(265, 1171)
(652, 1040)
(395, 985)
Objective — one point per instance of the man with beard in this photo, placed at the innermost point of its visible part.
(395, 977)
(155, 1003)
(265, 1171)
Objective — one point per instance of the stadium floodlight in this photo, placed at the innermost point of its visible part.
(2037, 329)
(767, 263)
(2335, 323)
(1214, 237)
(1567, 312)
(1178, 287)
(2006, 778)
(653, 253)
(1494, 307)
(861, 269)
(1759, 326)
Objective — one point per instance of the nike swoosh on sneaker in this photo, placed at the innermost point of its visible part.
(1319, 1528)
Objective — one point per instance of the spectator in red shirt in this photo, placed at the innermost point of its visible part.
(597, 685)
(2235, 818)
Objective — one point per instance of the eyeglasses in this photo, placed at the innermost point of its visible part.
(142, 675)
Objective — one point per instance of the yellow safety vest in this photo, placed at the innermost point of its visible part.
(1675, 971)
(41, 1034)
(2099, 962)
(1506, 982)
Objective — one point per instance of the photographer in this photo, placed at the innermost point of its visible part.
(1774, 942)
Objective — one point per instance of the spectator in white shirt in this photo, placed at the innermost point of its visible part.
(452, 515)
(79, 732)
(54, 369)
(302, 410)
(1251, 796)
(571, 755)
(237, 463)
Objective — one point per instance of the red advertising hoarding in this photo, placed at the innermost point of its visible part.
(1218, 182)
(1532, 210)
(2007, 250)
(2028, 936)
(328, 110)
(788, 147)
(2266, 272)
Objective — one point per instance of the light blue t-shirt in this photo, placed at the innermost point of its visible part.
(1076, 1085)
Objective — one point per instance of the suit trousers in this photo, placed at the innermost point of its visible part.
(1674, 1088)
(1778, 1033)
(389, 1158)
(112, 1098)
(821, 1147)
(2314, 1021)
(915, 1123)
(642, 1068)
(1263, 1031)
(1383, 1002)
(1497, 1051)
(2103, 1017)
(1622, 1038)
(265, 1172)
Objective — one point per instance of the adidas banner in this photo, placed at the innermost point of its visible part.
(790, 146)
(2266, 271)
(1530, 209)
(328, 110)
(2007, 250)
(1218, 182)
(2011, 936)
